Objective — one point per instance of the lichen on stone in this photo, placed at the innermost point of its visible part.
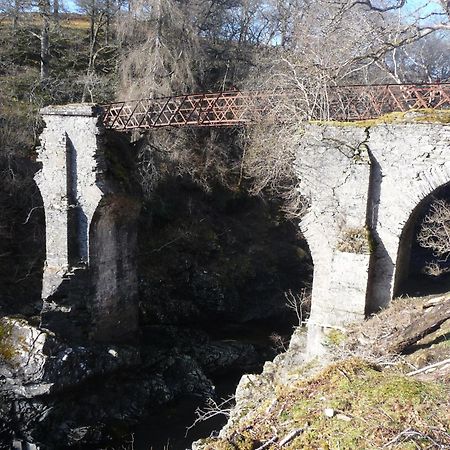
(412, 116)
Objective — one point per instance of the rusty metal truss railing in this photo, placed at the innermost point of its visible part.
(340, 103)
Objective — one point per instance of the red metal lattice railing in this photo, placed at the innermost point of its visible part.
(341, 103)
(209, 109)
(354, 103)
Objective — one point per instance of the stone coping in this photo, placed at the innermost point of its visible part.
(74, 109)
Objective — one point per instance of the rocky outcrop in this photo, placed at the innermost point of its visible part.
(60, 396)
(37, 371)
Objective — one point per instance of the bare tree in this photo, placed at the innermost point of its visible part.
(45, 12)
(435, 230)
(159, 50)
(299, 303)
(275, 45)
(329, 44)
(12, 10)
(44, 8)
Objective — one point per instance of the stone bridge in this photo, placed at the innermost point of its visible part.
(364, 183)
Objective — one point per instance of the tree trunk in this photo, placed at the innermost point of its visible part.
(427, 323)
(107, 21)
(92, 17)
(44, 6)
(92, 46)
(16, 13)
(56, 11)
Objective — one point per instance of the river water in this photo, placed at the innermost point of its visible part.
(165, 427)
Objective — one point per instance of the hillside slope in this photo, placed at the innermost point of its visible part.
(365, 398)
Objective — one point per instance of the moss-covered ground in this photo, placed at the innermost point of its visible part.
(354, 403)
(350, 405)
(7, 350)
(412, 116)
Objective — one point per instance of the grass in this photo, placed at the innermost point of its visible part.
(335, 337)
(370, 408)
(73, 21)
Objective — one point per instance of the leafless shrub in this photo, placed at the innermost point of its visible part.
(159, 50)
(149, 174)
(299, 303)
(295, 203)
(269, 155)
(18, 129)
(434, 269)
(354, 240)
(207, 156)
(212, 409)
(280, 344)
(269, 163)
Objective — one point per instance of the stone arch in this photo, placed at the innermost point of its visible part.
(403, 189)
(407, 238)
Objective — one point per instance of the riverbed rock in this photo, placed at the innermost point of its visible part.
(60, 396)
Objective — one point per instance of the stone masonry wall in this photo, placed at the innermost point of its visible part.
(333, 166)
(68, 152)
(114, 275)
(363, 184)
(74, 180)
(413, 160)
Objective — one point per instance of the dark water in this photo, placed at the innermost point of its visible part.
(165, 427)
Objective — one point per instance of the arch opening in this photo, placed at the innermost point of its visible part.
(413, 275)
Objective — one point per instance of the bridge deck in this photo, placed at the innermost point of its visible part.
(340, 103)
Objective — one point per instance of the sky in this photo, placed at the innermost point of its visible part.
(427, 5)
(411, 6)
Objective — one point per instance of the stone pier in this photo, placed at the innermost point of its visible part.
(364, 186)
(91, 208)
